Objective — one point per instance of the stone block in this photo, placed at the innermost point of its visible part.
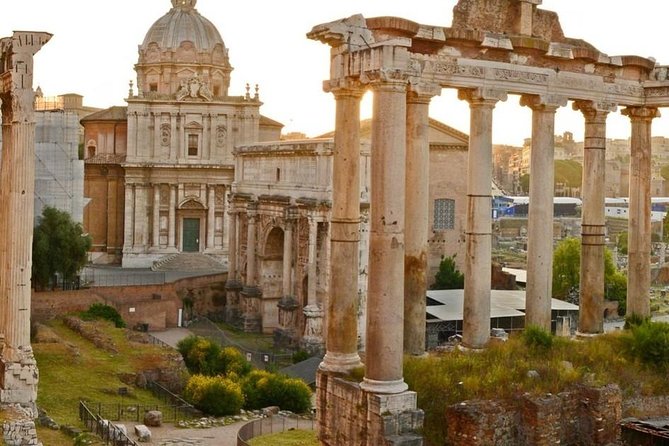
(270, 410)
(404, 440)
(143, 433)
(153, 418)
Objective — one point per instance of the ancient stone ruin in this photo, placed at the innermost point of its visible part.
(18, 370)
(493, 49)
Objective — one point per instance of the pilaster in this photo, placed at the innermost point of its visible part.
(478, 237)
(251, 293)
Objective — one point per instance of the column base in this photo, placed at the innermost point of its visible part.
(340, 362)
(384, 387)
(18, 378)
(580, 335)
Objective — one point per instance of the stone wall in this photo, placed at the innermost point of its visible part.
(583, 416)
(17, 426)
(347, 415)
(156, 305)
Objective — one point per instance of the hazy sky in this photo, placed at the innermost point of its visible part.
(94, 49)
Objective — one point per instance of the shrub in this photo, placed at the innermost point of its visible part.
(300, 355)
(105, 312)
(649, 342)
(214, 395)
(232, 361)
(262, 389)
(205, 357)
(537, 338)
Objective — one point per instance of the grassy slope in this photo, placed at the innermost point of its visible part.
(75, 369)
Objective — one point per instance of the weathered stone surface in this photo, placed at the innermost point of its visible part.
(143, 433)
(153, 418)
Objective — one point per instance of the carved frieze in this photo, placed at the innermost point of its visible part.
(503, 74)
(452, 68)
(221, 135)
(165, 134)
(194, 88)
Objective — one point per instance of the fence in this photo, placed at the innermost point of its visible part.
(108, 432)
(272, 425)
(98, 277)
(185, 408)
(206, 328)
(135, 412)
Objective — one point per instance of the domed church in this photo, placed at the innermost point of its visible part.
(158, 172)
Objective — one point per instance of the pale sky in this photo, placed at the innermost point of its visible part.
(94, 49)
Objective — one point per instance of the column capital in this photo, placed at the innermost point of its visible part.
(290, 214)
(386, 78)
(641, 113)
(422, 92)
(548, 102)
(595, 110)
(252, 210)
(346, 87)
(482, 96)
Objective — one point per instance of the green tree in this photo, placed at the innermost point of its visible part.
(525, 183)
(621, 242)
(567, 272)
(59, 247)
(448, 277)
(665, 227)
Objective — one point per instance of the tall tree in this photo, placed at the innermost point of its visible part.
(59, 247)
(448, 277)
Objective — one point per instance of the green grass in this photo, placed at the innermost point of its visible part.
(288, 438)
(500, 372)
(250, 341)
(75, 369)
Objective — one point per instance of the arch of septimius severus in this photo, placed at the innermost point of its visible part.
(493, 49)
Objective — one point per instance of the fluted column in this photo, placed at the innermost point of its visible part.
(416, 221)
(251, 292)
(211, 216)
(232, 285)
(639, 224)
(478, 237)
(156, 216)
(538, 292)
(232, 243)
(593, 222)
(287, 284)
(342, 309)
(385, 295)
(172, 217)
(312, 267)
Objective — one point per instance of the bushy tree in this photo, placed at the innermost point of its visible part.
(567, 273)
(205, 357)
(448, 277)
(262, 388)
(102, 311)
(214, 395)
(59, 247)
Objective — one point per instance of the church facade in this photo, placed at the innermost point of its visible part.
(159, 171)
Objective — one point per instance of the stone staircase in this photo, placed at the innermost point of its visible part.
(188, 261)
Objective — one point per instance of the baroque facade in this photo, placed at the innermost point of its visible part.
(159, 171)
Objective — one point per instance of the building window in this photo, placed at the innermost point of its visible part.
(444, 214)
(192, 145)
(91, 151)
(153, 87)
(278, 174)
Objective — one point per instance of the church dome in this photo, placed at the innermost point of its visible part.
(183, 23)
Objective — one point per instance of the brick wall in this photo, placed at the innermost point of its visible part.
(156, 305)
(585, 415)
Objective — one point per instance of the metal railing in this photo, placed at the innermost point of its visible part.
(94, 277)
(106, 430)
(260, 359)
(272, 425)
(135, 412)
(173, 400)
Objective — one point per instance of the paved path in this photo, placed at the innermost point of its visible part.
(171, 336)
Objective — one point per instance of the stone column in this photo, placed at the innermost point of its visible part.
(526, 18)
(172, 217)
(211, 216)
(416, 221)
(342, 308)
(593, 222)
(385, 295)
(129, 217)
(287, 283)
(156, 216)
(251, 292)
(232, 285)
(288, 305)
(141, 224)
(639, 224)
(18, 369)
(312, 338)
(540, 222)
(478, 236)
(312, 267)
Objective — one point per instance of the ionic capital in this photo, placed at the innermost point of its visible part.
(422, 92)
(482, 96)
(548, 102)
(641, 113)
(344, 88)
(595, 111)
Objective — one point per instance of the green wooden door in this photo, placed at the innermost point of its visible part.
(191, 239)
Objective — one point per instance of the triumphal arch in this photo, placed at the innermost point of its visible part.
(18, 370)
(493, 49)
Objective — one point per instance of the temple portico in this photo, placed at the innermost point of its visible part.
(519, 50)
